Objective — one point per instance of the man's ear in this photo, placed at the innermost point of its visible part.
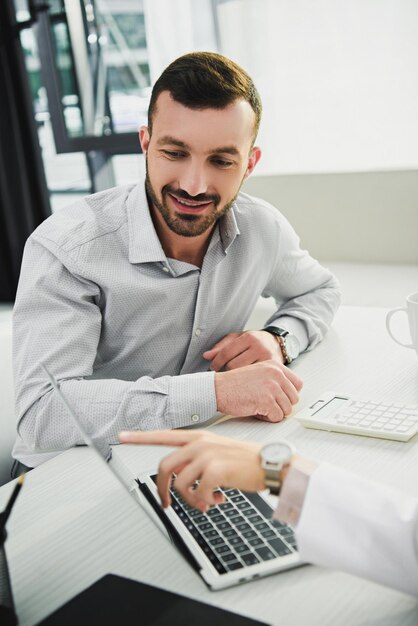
(144, 138)
(253, 159)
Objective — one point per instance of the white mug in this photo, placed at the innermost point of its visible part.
(411, 310)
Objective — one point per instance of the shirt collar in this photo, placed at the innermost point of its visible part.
(144, 244)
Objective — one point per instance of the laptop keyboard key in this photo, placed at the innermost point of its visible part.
(261, 526)
(235, 541)
(250, 559)
(265, 553)
(248, 534)
(234, 565)
(237, 498)
(279, 547)
(242, 548)
(210, 534)
(256, 541)
(267, 533)
(216, 541)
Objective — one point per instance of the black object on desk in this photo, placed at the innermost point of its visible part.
(7, 610)
(114, 600)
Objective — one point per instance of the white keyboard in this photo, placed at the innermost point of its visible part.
(342, 414)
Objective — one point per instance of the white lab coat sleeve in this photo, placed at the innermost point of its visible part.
(360, 527)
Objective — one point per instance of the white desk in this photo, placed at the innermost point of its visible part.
(95, 528)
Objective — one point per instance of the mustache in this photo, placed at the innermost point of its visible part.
(180, 193)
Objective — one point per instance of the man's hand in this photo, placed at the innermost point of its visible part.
(206, 457)
(245, 348)
(266, 390)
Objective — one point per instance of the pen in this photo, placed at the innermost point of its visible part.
(4, 516)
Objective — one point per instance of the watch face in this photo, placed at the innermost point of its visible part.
(277, 453)
(292, 346)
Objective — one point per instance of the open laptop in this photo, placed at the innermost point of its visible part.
(232, 543)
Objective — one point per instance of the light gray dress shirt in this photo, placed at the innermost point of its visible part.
(123, 327)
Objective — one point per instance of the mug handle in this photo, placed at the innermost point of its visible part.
(388, 319)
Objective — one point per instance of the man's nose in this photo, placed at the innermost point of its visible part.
(193, 180)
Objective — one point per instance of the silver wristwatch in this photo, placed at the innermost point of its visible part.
(274, 457)
(289, 344)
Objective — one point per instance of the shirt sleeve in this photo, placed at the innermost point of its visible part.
(307, 294)
(58, 321)
(360, 527)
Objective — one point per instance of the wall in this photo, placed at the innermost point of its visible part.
(369, 217)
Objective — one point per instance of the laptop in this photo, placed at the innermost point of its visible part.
(232, 543)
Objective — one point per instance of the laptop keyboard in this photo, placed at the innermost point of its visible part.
(238, 532)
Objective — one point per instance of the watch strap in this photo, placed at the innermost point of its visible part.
(280, 333)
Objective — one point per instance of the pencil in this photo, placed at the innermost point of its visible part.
(4, 516)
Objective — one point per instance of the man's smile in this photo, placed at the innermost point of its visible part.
(192, 206)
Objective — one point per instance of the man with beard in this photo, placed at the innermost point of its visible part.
(136, 297)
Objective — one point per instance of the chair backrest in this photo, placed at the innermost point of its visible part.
(7, 409)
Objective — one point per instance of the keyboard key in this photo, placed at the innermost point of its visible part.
(216, 541)
(276, 524)
(228, 557)
(217, 519)
(201, 519)
(234, 565)
(250, 559)
(242, 527)
(267, 533)
(265, 553)
(255, 541)
(213, 512)
(224, 549)
(261, 526)
(231, 492)
(209, 534)
(242, 548)
(230, 513)
(235, 541)
(223, 526)
(243, 505)
(226, 506)
(238, 519)
(238, 498)
(279, 546)
(205, 526)
(249, 534)
(195, 513)
(254, 519)
(230, 533)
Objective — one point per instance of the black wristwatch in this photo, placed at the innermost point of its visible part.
(289, 344)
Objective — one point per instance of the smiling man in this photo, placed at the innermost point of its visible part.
(136, 297)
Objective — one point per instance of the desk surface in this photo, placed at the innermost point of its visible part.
(73, 523)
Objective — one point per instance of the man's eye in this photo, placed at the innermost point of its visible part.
(173, 154)
(222, 163)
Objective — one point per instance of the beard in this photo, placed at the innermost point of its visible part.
(186, 224)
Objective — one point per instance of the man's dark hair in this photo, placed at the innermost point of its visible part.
(205, 80)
